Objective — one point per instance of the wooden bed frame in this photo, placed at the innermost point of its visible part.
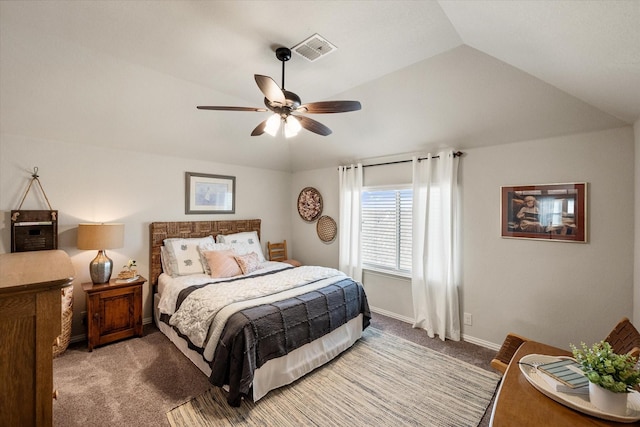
(158, 231)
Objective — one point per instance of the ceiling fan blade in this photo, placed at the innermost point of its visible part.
(270, 89)
(313, 126)
(326, 107)
(259, 130)
(206, 107)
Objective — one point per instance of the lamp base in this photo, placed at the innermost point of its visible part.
(100, 268)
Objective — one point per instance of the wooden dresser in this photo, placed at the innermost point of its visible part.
(30, 321)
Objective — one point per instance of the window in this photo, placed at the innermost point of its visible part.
(386, 229)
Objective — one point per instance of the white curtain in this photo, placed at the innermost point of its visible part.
(436, 259)
(349, 260)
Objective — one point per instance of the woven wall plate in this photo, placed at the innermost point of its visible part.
(309, 204)
(326, 228)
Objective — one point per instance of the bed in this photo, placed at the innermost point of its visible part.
(249, 324)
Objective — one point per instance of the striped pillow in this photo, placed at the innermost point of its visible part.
(209, 246)
(222, 263)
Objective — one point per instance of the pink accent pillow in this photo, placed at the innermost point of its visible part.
(222, 263)
(248, 262)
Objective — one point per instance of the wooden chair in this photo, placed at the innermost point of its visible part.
(278, 252)
(624, 338)
(509, 347)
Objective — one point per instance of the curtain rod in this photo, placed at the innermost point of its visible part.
(455, 154)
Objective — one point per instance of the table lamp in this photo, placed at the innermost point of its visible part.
(100, 236)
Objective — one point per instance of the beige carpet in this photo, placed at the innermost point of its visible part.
(382, 381)
(128, 383)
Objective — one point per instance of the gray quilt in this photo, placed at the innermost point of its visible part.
(258, 334)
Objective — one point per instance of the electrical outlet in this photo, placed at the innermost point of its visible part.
(468, 319)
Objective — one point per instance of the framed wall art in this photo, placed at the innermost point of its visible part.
(555, 212)
(209, 194)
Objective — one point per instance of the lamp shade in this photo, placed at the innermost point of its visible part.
(100, 236)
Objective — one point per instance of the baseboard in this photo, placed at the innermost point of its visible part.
(391, 314)
(466, 338)
(83, 337)
(78, 338)
(481, 343)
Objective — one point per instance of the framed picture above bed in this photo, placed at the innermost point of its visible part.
(209, 194)
(555, 212)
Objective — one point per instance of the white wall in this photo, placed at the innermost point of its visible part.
(551, 291)
(306, 246)
(636, 257)
(507, 283)
(90, 184)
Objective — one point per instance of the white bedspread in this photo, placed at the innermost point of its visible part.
(169, 287)
(202, 315)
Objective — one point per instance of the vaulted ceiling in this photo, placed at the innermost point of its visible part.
(429, 74)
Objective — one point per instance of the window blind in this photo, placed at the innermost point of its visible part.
(386, 229)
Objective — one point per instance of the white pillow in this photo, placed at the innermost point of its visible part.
(183, 256)
(164, 260)
(210, 246)
(243, 243)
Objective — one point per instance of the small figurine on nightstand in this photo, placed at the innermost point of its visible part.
(129, 274)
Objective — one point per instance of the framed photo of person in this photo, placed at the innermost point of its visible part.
(209, 194)
(554, 212)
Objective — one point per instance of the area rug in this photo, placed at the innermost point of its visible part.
(383, 380)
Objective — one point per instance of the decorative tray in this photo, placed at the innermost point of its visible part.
(579, 402)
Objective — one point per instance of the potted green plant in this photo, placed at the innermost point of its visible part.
(611, 376)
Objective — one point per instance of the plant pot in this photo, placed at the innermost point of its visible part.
(608, 401)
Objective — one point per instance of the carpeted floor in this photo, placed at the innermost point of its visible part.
(136, 381)
(128, 383)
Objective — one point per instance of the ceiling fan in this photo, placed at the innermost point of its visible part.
(284, 103)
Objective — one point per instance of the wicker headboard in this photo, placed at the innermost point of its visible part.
(158, 231)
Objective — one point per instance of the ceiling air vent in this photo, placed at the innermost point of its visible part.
(314, 48)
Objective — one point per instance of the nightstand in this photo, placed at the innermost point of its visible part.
(114, 311)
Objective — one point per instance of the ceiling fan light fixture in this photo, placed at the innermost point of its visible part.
(273, 124)
(283, 102)
(291, 127)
